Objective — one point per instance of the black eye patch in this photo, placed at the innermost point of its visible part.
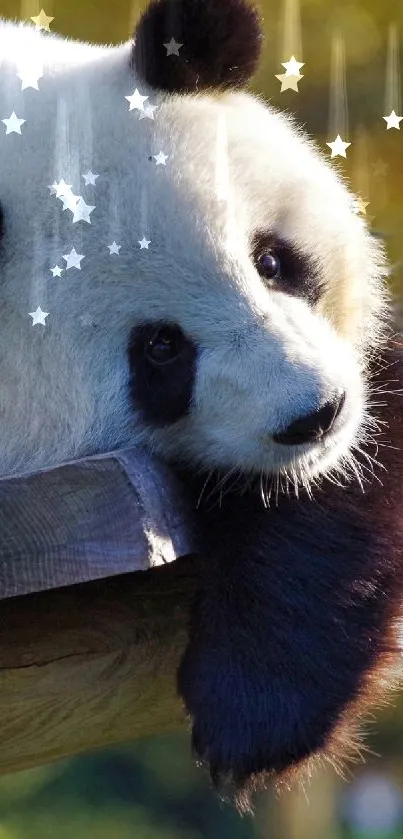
(298, 274)
(161, 383)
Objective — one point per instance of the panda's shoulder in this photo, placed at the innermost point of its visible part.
(20, 42)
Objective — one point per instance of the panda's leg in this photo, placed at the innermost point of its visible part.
(292, 614)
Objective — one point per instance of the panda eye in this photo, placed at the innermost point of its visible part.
(285, 267)
(163, 347)
(268, 265)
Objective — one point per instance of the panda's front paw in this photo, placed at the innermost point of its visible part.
(247, 723)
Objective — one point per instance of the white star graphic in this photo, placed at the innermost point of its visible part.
(161, 158)
(172, 47)
(82, 211)
(114, 248)
(338, 147)
(392, 121)
(136, 100)
(144, 243)
(289, 82)
(30, 76)
(73, 259)
(56, 271)
(62, 188)
(38, 316)
(148, 112)
(292, 67)
(69, 200)
(13, 124)
(90, 178)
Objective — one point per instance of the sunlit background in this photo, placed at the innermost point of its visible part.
(151, 789)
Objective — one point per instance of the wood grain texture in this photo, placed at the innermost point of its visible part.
(92, 664)
(103, 515)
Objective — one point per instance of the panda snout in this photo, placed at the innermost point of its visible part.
(314, 426)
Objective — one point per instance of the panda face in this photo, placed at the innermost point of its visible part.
(277, 310)
(257, 304)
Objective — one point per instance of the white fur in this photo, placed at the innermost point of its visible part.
(265, 357)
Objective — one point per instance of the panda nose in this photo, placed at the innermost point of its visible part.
(313, 426)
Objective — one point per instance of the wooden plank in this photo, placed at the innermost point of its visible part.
(103, 515)
(92, 664)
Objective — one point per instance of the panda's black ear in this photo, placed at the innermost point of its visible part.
(221, 42)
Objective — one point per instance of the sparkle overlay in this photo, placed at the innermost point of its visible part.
(82, 211)
(360, 175)
(62, 188)
(73, 259)
(86, 320)
(136, 100)
(31, 72)
(359, 206)
(173, 47)
(38, 316)
(13, 124)
(42, 21)
(292, 67)
(161, 159)
(379, 168)
(392, 82)
(290, 44)
(30, 76)
(90, 178)
(69, 201)
(147, 112)
(289, 82)
(338, 147)
(338, 109)
(75, 203)
(393, 121)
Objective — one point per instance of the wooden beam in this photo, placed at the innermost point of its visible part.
(92, 664)
(107, 514)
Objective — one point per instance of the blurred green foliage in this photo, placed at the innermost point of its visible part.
(152, 789)
(149, 790)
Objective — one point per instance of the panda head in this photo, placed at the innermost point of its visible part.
(266, 298)
(241, 339)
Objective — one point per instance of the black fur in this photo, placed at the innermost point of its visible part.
(293, 630)
(162, 394)
(221, 44)
(294, 617)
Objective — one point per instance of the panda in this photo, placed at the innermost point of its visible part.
(218, 301)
